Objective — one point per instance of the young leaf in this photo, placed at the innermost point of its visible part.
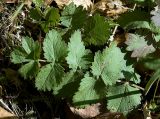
(49, 77)
(123, 98)
(109, 64)
(53, 46)
(77, 52)
(138, 45)
(97, 30)
(87, 92)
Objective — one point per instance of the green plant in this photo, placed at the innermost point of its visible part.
(77, 61)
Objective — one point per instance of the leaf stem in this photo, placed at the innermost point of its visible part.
(40, 60)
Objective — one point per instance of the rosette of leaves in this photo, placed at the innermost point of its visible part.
(68, 70)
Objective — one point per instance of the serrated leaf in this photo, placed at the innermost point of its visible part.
(130, 75)
(67, 13)
(97, 30)
(109, 64)
(52, 16)
(123, 98)
(35, 13)
(49, 77)
(138, 45)
(77, 51)
(18, 55)
(138, 25)
(53, 46)
(73, 16)
(87, 92)
(133, 16)
(27, 44)
(30, 69)
(70, 79)
(67, 78)
(29, 52)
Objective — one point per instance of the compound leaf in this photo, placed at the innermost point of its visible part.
(123, 98)
(30, 69)
(109, 64)
(87, 92)
(49, 77)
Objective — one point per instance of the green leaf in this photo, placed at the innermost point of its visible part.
(27, 44)
(138, 25)
(54, 48)
(38, 3)
(138, 45)
(52, 16)
(36, 14)
(29, 52)
(67, 14)
(30, 69)
(73, 16)
(123, 98)
(49, 77)
(97, 30)
(87, 92)
(18, 55)
(109, 64)
(70, 79)
(132, 17)
(77, 52)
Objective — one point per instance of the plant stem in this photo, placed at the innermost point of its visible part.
(40, 60)
(15, 14)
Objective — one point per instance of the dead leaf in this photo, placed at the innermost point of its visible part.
(10, 1)
(110, 115)
(88, 112)
(1, 8)
(6, 115)
(61, 3)
(84, 3)
(110, 7)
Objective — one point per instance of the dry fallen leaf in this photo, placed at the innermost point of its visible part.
(61, 3)
(6, 115)
(88, 112)
(10, 1)
(84, 3)
(110, 7)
